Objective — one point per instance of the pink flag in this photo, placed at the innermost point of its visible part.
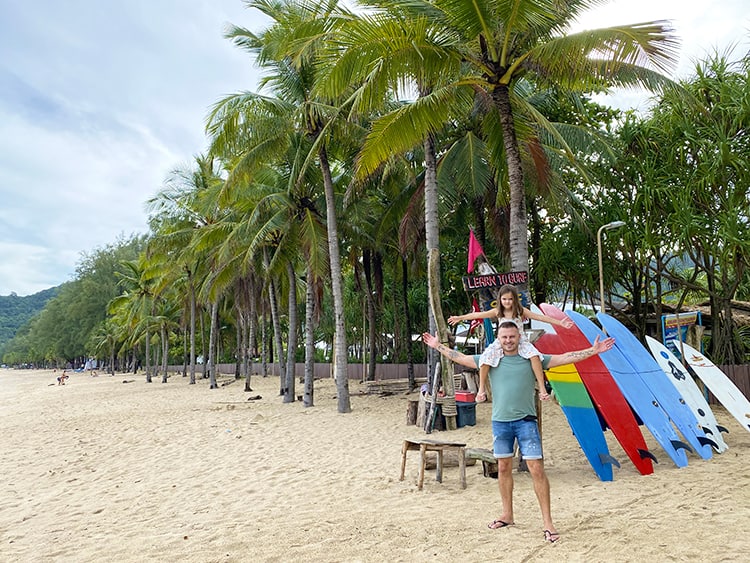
(475, 250)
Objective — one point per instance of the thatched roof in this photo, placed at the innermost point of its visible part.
(740, 312)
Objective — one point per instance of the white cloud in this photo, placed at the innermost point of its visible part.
(703, 27)
(98, 102)
(31, 267)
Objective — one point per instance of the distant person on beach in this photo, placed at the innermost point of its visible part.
(61, 379)
(514, 416)
(509, 308)
(89, 367)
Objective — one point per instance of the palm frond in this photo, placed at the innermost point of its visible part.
(403, 128)
(591, 59)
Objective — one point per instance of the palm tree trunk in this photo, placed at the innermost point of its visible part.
(371, 315)
(341, 373)
(250, 344)
(264, 344)
(447, 369)
(239, 345)
(164, 352)
(212, 338)
(185, 352)
(307, 396)
(291, 347)
(519, 247)
(204, 375)
(432, 237)
(277, 334)
(191, 286)
(148, 355)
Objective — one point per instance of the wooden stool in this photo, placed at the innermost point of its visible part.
(438, 446)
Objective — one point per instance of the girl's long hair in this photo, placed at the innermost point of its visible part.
(517, 309)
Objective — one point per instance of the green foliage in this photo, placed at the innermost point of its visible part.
(16, 311)
(62, 331)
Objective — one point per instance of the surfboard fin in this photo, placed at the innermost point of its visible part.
(704, 441)
(676, 444)
(606, 458)
(707, 431)
(647, 454)
(722, 429)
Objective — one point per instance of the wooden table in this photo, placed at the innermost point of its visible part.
(439, 446)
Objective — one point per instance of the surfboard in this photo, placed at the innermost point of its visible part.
(685, 385)
(720, 385)
(578, 409)
(604, 393)
(640, 397)
(653, 376)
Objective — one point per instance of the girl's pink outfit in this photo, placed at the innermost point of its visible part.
(494, 352)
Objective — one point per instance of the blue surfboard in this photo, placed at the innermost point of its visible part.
(640, 397)
(653, 376)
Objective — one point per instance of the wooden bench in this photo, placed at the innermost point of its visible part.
(438, 446)
(489, 462)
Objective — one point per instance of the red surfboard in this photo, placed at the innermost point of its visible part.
(606, 395)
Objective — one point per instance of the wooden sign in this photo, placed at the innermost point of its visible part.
(494, 281)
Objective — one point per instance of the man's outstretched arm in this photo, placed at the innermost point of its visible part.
(578, 355)
(453, 355)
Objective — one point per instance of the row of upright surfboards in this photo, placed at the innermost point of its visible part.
(627, 387)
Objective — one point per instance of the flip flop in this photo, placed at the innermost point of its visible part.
(497, 524)
(551, 537)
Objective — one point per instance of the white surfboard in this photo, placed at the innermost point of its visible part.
(720, 385)
(689, 391)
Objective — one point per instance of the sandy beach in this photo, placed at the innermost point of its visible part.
(102, 470)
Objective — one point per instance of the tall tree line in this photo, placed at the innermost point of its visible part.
(378, 137)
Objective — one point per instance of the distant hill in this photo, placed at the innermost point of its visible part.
(16, 311)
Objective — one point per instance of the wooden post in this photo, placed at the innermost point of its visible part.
(411, 412)
(432, 407)
(471, 382)
(442, 326)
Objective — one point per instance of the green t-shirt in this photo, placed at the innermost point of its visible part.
(512, 383)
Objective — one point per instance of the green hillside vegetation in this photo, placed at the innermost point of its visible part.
(63, 331)
(16, 311)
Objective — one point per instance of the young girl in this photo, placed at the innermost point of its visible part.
(509, 308)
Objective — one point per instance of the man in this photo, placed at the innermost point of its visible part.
(514, 416)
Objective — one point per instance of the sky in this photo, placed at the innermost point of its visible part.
(100, 100)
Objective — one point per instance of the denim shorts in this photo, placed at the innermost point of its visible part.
(525, 431)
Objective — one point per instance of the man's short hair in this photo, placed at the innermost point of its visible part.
(509, 324)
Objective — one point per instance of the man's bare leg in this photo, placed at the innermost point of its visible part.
(542, 490)
(505, 484)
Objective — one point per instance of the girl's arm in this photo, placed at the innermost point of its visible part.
(488, 314)
(566, 322)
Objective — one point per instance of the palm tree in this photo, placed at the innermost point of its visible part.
(377, 55)
(287, 49)
(105, 339)
(137, 304)
(500, 44)
(187, 203)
